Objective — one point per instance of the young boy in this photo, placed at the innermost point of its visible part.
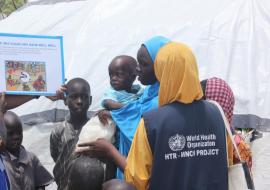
(116, 184)
(23, 168)
(122, 72)
(65, 136)
(86, 174)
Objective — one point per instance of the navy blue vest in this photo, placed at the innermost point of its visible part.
(189, 147)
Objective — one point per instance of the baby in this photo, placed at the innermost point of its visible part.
(122, 72)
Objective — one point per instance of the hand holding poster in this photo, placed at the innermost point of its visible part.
(31, 65)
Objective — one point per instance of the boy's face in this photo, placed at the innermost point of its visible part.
(145, 68)
(14, 132)
(78, 98)
(121, 75)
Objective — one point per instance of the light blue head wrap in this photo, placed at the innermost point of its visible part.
(154, 44)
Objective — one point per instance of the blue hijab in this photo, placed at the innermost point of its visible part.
(127, 118)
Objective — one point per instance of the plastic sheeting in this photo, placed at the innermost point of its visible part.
(230, 38)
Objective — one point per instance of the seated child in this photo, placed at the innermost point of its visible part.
(23, 168)
(116, 184)
(86, 174)
(122, 72)
(65, 136)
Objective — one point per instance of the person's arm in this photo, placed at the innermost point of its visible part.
(42, 177)
(139, 161)
(54, 144)
(111, 104)
(3, 131)
(103, 148)
(14, 101)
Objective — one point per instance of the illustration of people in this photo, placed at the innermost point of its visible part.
(15, 66)
(10, 81)
(39, 84)
(25, 87)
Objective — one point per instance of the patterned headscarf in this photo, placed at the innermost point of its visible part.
(176, 70)
(219, 91)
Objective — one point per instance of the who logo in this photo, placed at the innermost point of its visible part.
(177, 142)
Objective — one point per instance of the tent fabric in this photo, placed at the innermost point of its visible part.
(230, 39)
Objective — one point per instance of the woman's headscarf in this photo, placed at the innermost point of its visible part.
(176, 70)
(154, 44)
(219, 91)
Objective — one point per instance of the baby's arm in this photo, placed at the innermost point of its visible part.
(111, 104)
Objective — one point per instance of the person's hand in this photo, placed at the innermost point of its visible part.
(3, 103)
(104, 116)
(100, 148)
(60, 94)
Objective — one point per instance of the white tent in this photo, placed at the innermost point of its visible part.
(230, 38)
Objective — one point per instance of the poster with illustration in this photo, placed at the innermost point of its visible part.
(25, 76)
(31, 65)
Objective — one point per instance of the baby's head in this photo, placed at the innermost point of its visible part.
(86, 174)
(122, 72)
(14, 132)
(116, 184)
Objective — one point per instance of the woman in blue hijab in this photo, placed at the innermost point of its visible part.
(128, 117)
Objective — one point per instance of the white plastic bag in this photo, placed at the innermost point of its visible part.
(94, 130)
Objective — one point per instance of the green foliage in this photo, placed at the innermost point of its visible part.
(8, 6)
